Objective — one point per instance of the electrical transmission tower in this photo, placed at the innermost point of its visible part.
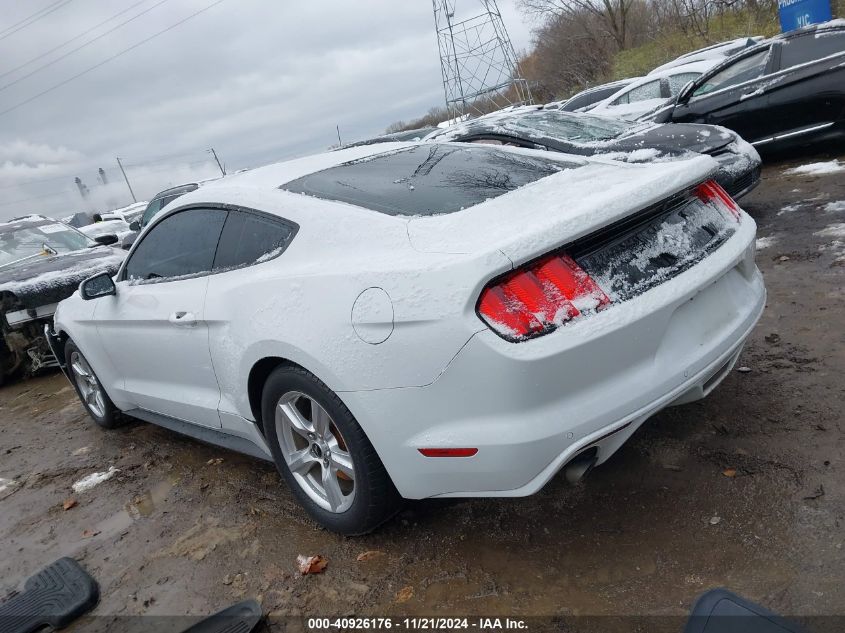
(478, 62)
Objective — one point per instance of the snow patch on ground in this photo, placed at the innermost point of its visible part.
(837, 246)
(7, 487)
(816, 169)
(834, 207)
(790, 208)
(834, 230)
(765, 242)
(94, 479)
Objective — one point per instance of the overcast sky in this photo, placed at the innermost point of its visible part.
(259, 81)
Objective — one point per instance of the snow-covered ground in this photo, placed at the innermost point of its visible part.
(817, 169)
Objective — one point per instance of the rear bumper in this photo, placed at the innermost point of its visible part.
(531, 407)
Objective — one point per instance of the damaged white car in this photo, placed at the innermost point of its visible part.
(420, 320)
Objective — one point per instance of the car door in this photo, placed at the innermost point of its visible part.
(154, 328)
(808, 90)
(249, 245)
(732, 95)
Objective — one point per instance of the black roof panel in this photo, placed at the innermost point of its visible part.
(426, 179)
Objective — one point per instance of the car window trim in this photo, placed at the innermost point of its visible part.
(229, 208)
(730, 61)
(769, 76)
(121, 274)
(290, 224)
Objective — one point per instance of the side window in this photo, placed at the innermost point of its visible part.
(150, 211)
(651, 90)
(249, 238)
(676, 82)
(742, 70)
(810, 47)
(181, 244)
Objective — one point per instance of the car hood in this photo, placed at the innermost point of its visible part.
(44, 280)
(676, 138)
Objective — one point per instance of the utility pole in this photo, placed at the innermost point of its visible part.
(222, 171)
(134, 199)
(339, 142)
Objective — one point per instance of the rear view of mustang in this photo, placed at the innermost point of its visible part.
(421, 320)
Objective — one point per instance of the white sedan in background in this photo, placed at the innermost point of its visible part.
(418, 320)
(649, 93)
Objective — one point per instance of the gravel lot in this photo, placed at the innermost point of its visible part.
(743, 490)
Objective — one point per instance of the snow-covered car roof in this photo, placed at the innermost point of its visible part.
(599, 187)
(643, 106)
(716, 52)
(618, 84)
(528, 123)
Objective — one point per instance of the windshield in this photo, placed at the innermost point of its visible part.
(571, 127)
(34, 241)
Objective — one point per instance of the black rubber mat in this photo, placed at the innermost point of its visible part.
(53, 597)
(242, 617)
(720, 611)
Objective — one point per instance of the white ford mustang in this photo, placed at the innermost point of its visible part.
(415, 321)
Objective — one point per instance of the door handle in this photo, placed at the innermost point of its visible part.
(186, 319)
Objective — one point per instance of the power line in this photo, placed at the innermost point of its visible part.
(35, 17)
(9, 28)
(81, 46)
(108, 59)
(73, 39)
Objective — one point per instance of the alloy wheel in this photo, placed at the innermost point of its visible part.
(89, 386)
(315, 451)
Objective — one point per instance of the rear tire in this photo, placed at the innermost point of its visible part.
(324, 455)
(89, 389)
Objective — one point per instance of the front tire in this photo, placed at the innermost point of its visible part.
(324, 455)
(89, 389)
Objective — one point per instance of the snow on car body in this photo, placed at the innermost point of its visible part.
(385, 291)
(42, 261)
(651, 92)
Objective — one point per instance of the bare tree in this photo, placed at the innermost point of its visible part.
(612, 15)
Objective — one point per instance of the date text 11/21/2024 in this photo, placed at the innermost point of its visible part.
(417, 624)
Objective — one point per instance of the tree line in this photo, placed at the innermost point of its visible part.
(582, 43)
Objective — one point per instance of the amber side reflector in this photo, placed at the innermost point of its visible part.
(448, 452)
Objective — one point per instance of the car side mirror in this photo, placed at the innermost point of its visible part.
(101, 285)
(106, 240)
(686, 92)
(135, 226)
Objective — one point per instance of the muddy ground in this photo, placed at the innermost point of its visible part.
(185, 528)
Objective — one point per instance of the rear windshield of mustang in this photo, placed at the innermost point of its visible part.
(426, 179)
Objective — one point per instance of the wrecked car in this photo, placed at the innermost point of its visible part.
(42, 261)
(587, 134)
(461, 320)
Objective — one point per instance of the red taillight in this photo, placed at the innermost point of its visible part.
(711, 192)
(448, 452)
(540, 297)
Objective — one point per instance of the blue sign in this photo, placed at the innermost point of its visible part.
(797, 13)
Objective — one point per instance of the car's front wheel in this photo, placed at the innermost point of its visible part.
(89, 389)
(324, 455)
